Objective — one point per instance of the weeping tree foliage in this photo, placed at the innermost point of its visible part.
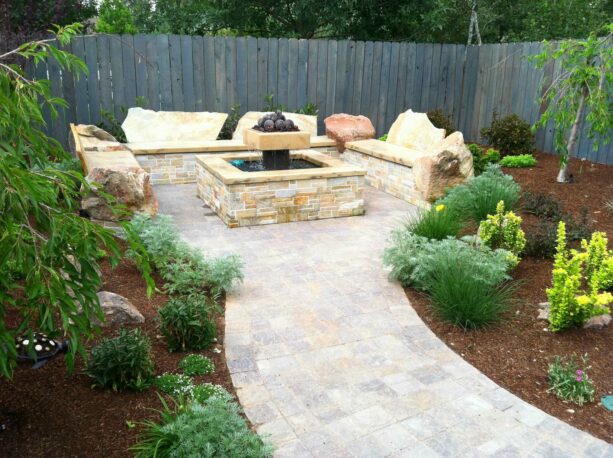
(584, 85)
(49, 255)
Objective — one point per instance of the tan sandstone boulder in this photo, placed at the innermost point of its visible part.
(344, 128)
(306, 123)
(129, 186)
(162, 126)
(415, 131)
(449, 165)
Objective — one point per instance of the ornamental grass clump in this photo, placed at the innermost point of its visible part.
(570, 383)
(462, 298)
(438, 223)
(579, 281)
(123, 362)
(479, 197)
(503, 230)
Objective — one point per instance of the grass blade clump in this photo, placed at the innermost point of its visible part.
(438, 223)
(462, 298)
(476, 199)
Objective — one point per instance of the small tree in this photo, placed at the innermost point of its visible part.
(115, 17)
(49, 255)
(585, 83)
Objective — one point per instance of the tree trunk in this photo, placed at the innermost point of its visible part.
(572, 138)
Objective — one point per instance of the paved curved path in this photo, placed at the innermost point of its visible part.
(330, 359)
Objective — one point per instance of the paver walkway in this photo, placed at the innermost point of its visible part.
(330, 359)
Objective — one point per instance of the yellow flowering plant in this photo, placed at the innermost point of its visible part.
(503, 230)
(570, 304)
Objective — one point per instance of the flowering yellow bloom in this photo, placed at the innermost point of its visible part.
(440, 208)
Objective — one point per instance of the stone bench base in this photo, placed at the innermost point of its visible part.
(390, 177)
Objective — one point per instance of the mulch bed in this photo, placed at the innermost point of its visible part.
(55, 414)
(516, 352)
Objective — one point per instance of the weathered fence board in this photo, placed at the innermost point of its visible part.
(376, 79)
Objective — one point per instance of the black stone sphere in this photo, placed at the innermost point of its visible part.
(269, 125)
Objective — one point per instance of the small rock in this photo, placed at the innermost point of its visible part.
(570, 410)
(117, 310)
(543, 311)
(598, 321)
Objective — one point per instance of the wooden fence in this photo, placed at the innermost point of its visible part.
(376, 79)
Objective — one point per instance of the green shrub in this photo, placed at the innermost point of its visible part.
(520, 161)
(440, 120)
(383, 138)
(415, 259)
(541, 240)
(175, 385)
(461, 298)
(214, 428)
(201, 393)
(229, 126)
(570, 383)
(511, 135)
(123, 362)
(437, 223)
(308, 109)
(480, 159)
(492, 156)
(503, 230)
(196, 365)
(479, 197)
(570, 304)
(188, 322)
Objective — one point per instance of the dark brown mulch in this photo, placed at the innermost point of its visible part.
(55, 414)
(516, 352)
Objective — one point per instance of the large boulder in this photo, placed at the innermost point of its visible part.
(306, 123)
(129, 186)
(415, 131)
(344, 128)
(118, 311)
(450, 164)
(163, 126)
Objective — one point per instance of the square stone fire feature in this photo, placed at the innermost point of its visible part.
(334, 189)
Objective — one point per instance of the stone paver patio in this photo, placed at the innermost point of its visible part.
(330, 359)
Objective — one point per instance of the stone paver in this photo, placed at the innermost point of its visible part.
(329, 358)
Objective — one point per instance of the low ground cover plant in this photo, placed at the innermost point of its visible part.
(123, 362)
(174, 384)
(202, 392)
(579, 278)
(479, 197)
(212, 428)
(569, 382)
(503, 230)
(511, 135)
(187, 322)
(519, 161)
(196, 365)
